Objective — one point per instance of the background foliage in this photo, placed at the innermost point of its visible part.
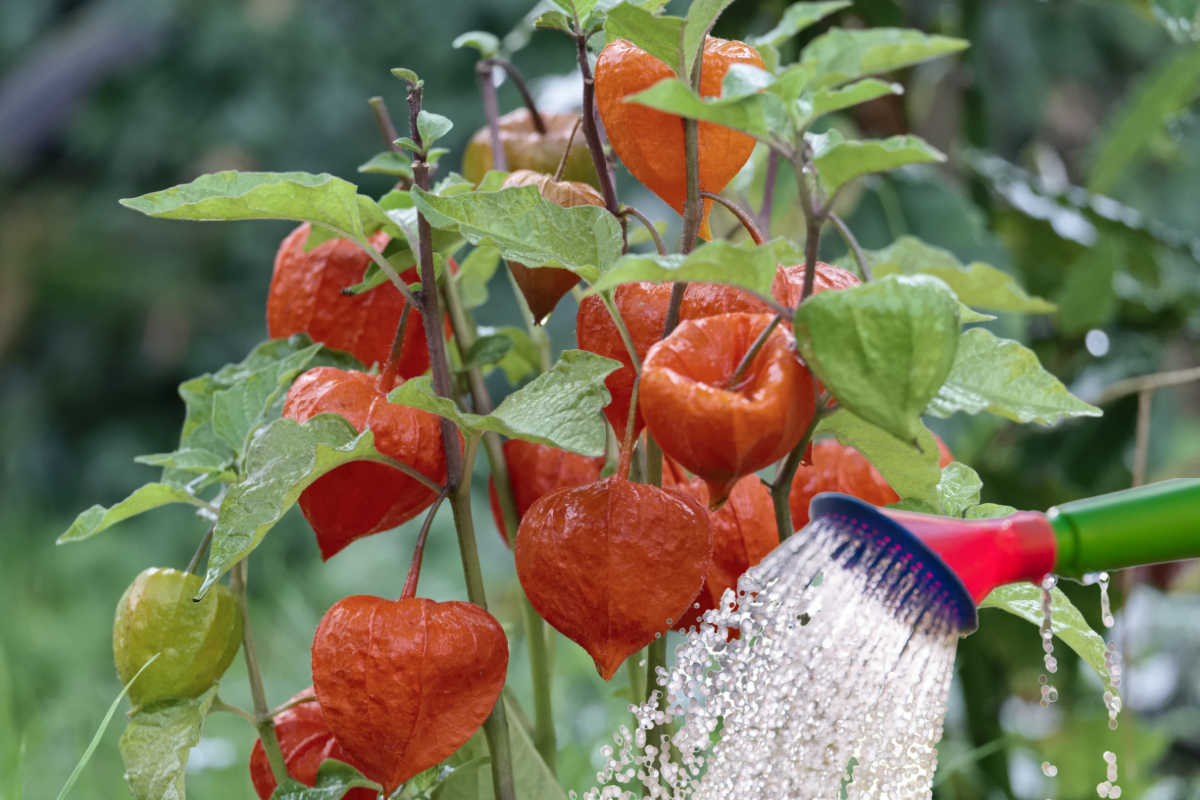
(103, 312)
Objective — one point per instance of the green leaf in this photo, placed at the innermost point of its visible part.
(156, 744)
(1025, 601)
(90, 750)
(797, 17)
(527, 228)
(334, 779)
(761, 115)
(913, 473)
(432, 127)
(145, 498)
(661, 37)
(522, 359)
(977, 284)
(407, 75)
(988, 511)
(701, 16)
(553, 21)
(841, 55)
(191, 459)
(469, 781)
(1087, 298)
(826, 101)
(486, 350)
(1005, 378)
(283, 459)
(958, 489)
(474, 272)
(749, 266)
(560, 407)
(487, 44)
(388, 162)
(840, 160)
(1170, 87)
(883, 348)
(301, 196)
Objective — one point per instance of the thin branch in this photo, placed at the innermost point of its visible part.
(384, 120)
(852, 243)
(752, 353)
(220, 705)
(590, 132)
(519, 81)
(1142, 447)
(487, 90)
(416, 475)
(781, 487)
(1156, 380)
(630, 211)
(201, 549)
(295, 701)
(390, 370)
(562, 162)
(414, 569)
(764, 215)
(262, 715)
(743, 215)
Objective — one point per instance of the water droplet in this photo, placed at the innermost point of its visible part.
(1049, 770)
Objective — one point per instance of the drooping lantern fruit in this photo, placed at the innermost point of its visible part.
(650, 142)
(306, 742)
(195, 641)
(366, 497)
(613, 564)
(306, 297)
(837, 467)
(744, 532)
(543, 287)
(537, 469)
(526, 148)
(404, 683)
(716, 430)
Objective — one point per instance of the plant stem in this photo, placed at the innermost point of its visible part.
(781, 488)
(540, 668)
(221, 705)
(458, 481)
(201, 549)
(390, 370)
(562, 162)
(487, 89)
(693, 209)
(743, 215)
(590, 131)
(630, 211)
(637, 678)
(750, 354)
(298, 701)
(622, 331)
(813, 220)
(855, 248)
(764, 215)
(384, 120)
(519, 81)
(656, 656)
(262, 712)
(414, 567)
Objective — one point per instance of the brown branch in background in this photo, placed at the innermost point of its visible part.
(743, 215)
(519, 81)
(852, 243)
(384, 120)
(1142, 439)
(491, 110)
(562, 162)
(630, 211)
(590, 131)
(1157, 380)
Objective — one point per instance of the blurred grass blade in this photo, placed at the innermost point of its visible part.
(91, 748)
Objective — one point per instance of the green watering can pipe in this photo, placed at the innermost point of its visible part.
(1147, 525)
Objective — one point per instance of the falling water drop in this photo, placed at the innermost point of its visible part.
(1049, 693)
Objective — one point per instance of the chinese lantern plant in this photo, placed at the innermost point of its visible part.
(731, 356)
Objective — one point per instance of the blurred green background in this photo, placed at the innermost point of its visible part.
(1075, 161)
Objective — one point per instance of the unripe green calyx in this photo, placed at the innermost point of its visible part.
(195, 641)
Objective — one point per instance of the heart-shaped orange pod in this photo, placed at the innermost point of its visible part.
(525, 148)
(744, 532)
(650, 142)
(721, 433)
(306, 742)
(609, 563)
(537, 469)
(543, 287)
(366, 497)
(837, 467)
(306, 297)
(404, 683)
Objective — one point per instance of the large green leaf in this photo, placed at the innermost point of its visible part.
(525, 227)
(283, 459)
(1025, 601)
(827, 100)
(156, 744)
(842, 55)
(701, 16)
(334, 779)
(978, 284)
(796, 18)
(1005, 378)
(145, 498)
(913, 473)
(746, 265)
(762, 115)
(660, 36)
(840, 160)
(560, 408)
(883, 348)
(231, 195)
(1172, 86)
